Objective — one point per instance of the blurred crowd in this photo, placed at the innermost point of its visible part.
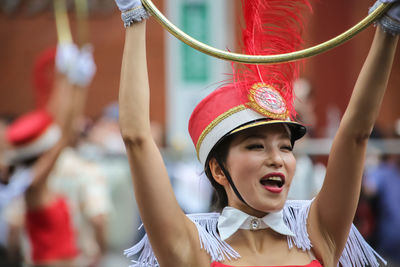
(93, 175)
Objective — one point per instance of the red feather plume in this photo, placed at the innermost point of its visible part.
(272, 27)
(43, 76)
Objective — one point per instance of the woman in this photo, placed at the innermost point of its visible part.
(34, 143)
(244, 139)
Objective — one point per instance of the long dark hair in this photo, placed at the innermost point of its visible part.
(220, 151)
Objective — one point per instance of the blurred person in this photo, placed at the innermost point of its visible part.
(192, 190)
(10, 250)
(382, 183)
(309, 176)
(191, 187)
(35, 141)
(85, 187)
(244, 134)
(82, 180)
(102, 147)
(304, 103)
(365, 218)
(13, 219)
(103, 135)
(3, 144)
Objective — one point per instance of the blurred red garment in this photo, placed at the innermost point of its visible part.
(50, 233)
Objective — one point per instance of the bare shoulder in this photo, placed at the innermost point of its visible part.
(192, 245)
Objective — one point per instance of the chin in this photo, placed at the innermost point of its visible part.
(276, 204)
(269, 206)
(273, 207)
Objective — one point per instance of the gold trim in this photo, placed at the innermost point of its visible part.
(214, 123)
(264, 122)
(132, 9)
(263, 59)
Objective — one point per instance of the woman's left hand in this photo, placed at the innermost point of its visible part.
(390, 21)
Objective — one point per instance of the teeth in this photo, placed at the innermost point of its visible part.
(275, 178)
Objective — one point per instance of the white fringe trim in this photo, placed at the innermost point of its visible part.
(210, 240)
(357, 252)
(146, 258)
(295, 214)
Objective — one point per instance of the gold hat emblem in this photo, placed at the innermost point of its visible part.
(266, 100)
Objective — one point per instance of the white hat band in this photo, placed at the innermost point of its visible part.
(46, 141)
(225, 126)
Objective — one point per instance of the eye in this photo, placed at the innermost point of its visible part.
(287, 147)
(255, 146)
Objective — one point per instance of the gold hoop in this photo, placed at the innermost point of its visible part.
(269, 59)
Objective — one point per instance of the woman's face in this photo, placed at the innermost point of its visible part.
(261, 164)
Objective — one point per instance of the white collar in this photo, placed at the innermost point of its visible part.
(232, 219)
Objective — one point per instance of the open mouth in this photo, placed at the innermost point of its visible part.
(273, 181)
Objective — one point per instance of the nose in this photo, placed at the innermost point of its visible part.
(273, 158)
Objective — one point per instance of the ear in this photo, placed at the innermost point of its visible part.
(217, 172)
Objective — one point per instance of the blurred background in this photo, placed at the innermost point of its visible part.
(179, 77)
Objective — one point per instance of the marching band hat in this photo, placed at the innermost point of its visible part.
(258, 94)
(31, 135)
(226, 111)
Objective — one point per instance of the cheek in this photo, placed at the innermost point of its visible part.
(290, 163)
(240, 164)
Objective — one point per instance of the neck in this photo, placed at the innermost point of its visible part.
(255, 241)
(247, 209)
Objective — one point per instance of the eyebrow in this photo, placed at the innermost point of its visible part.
(259, 135)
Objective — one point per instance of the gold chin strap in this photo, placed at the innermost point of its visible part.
(270, 59)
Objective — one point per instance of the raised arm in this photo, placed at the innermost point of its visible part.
(66, 106)
(333, 210)
(173, 237)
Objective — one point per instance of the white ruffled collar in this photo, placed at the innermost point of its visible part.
(232, 219)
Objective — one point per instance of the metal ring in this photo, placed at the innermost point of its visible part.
(264, 59)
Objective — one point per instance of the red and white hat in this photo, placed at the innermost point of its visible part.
(226, 111)
(258, 94)
(31, 135)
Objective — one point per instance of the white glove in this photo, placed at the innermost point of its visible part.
(390, 21)
(132, 11)
(67, 54)
(125, 5)
(84, 69)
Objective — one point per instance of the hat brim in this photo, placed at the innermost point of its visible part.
(40, 145)
(297, 130)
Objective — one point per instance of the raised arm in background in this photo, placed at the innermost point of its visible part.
(75, 70)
